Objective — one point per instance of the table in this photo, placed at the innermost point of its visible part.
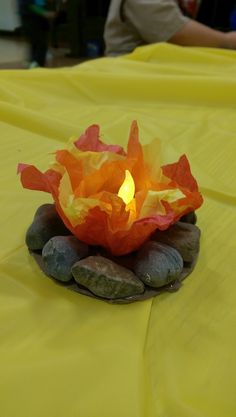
(63, 354)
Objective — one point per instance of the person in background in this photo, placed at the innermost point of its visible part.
(36, 16)
(132, 23)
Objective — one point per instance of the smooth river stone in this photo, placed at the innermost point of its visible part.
(189, 218)
(60, 253)
(158, 264)
(184, 237)
(46, 224)
(106, 278)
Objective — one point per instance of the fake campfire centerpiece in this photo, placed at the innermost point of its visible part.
(122, 228)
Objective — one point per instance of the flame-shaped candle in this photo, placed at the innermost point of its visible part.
(127, 189)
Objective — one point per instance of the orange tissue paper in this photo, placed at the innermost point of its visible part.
(115, 198)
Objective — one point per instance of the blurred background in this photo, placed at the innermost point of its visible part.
(76, 34)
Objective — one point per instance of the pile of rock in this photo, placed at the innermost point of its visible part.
(159, 265)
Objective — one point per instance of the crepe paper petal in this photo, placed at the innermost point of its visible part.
(86, 182)
(101, 229)
(191, 202)
(93, 161)
(32, 178)
(72, 165)
(108, 178)
(140, 170)
(124, 242)
(119, 212)
(89, 141)
(153, 204)
(94, 231)
(75, 209)
(21, 167)
(152, 152)
(180, 173)
(134, 149)
(53, 179)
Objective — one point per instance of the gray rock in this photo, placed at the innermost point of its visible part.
(105, 278)
(189, 218)
(46, 224)
(60, 253)
(48, 209)
(184, 237)
(158, 264)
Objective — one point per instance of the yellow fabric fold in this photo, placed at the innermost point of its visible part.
(65, 355)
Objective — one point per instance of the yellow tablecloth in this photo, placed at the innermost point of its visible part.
(65, 355)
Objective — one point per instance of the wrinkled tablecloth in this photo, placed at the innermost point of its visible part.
(65, 355)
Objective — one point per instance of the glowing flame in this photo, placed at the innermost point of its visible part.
(127, 189)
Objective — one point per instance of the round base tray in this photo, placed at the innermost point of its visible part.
(148, 293)
(170, 253)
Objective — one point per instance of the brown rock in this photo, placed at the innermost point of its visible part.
(105, 278)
